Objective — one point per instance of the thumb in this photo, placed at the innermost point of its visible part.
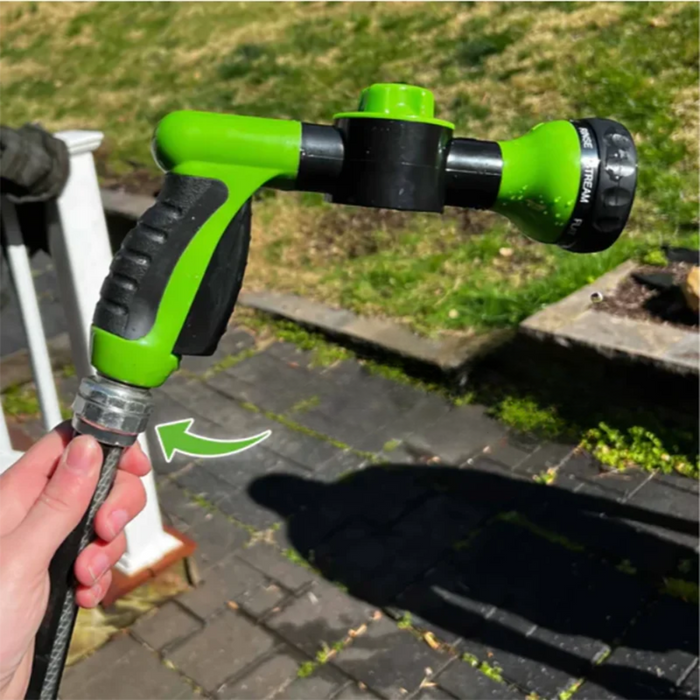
(63, 502)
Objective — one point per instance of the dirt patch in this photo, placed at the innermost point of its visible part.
(658, 303)
(138, 180)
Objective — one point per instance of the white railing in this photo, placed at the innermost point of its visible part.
(81, 254)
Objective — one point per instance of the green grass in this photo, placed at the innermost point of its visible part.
(528, 416)
(554, 404)
(229, 361)
(306, 669)
(638, 446)
(496, 70)
(21, 401)
(305, 405)
(522, 521)
(391, 445)
(405, 622)
(493, 672)
(657, 258)
(680, 588)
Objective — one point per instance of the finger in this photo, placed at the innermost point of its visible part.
(98, 558)
(27, 477)
(91, 596)
(62, 504)
(125, 501)
(135, 461)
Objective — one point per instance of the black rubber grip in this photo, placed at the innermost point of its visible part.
(218, 291)
(141, 269)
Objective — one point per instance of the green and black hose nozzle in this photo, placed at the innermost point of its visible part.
(173, 284)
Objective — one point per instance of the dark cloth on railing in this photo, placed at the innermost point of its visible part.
(34, 167)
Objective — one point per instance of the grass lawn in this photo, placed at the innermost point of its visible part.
(496, 70)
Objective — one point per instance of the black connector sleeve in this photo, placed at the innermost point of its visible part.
(473, 173)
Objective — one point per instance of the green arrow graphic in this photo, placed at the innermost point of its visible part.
(175, 437)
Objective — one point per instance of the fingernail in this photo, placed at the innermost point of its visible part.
(99, 566)
(80, 455)
(117, 521)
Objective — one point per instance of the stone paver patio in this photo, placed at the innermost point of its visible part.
(384, 543)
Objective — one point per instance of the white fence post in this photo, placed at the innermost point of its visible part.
(81, 251)
(8, 456)
(18, 261)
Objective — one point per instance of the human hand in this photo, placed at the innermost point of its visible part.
(43, 497)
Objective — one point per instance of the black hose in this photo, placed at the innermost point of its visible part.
(54, 635)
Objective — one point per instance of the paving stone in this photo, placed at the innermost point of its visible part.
(353, 691)
(441, 604)
(417, 420)
(321, 614)
(374, 566)
(464, 681)
(360, 437)
(556, 610)
(278, 399)
(512, 450)
(593, 691)
(389, 661)
(201, 398)
(77, 676)
(269, 678)
(323, 508)
(346, 373)
(260, 600)
(279, 378)
(579, 468)
(608, 484)
(202, 483)
(166, 410)
(226, 582)
(341, 465)
(270, 498)
(398, 454)
(549, 455)
(485, 463)
(169, 624)
(655, 655)
(227, 645)
(595, 517)
(239, 470)
(240, 506)
(271, 562)
(289, 353)
(305, 450)
(217, 539)
(527, 661)
(458, 435)
(676, 481)
(368, 404)
(677, 512)
(439, 522)
(323, 683)
(402, 494)
(233, 342)
(263, 367)
(175, 502)
(133, 673)
(690, 688)
(433, 694)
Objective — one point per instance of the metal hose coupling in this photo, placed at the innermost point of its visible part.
(112, 412)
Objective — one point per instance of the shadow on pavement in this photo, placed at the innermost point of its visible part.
(540, 581)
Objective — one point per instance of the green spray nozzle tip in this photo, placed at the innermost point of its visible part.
(396, 101)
